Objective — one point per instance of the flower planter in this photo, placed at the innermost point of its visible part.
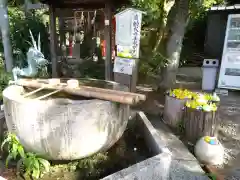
(199, 123)
(173, 111)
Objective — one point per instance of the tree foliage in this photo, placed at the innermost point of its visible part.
(20, 37)
(153, 27)
(154, 11)
(198, 8)
(19, 3)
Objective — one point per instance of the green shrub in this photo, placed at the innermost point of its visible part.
(34, 166)
(28, 164)
(15, 149)
(20, 37)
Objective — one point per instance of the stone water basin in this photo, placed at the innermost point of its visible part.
(65, 127)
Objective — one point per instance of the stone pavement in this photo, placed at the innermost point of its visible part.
(229, 130)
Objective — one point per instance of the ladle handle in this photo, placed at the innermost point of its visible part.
(90, 92)
(47, 95)
(32, 92)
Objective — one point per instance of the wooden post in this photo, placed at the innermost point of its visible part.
(53, 40)
(108, 38)
(5, 36)
(173, 111)
(61, 33)
(134, 77)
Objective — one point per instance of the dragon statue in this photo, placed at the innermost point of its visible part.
(35, 60)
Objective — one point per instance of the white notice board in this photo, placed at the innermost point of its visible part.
(128, 31)
(229, 75)
(124, 65)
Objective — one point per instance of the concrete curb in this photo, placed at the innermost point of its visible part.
(173, 160)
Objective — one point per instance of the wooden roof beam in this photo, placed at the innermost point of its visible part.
(86, 4)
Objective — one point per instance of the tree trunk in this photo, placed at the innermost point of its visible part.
(171, 44)
(167, 7)
(5, 36)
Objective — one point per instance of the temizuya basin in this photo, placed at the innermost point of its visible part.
(65, 128)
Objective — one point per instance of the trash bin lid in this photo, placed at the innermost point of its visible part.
(210, 63)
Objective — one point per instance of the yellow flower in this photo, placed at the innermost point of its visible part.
(188, 104)
(180, 93)
(213, 106)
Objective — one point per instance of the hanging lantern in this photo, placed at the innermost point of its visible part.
(103, 47)
(71, 38)
(78, 36)
(63, 47)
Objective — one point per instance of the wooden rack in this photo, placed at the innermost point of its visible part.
(86, 91)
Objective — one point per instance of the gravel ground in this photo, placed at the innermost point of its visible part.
(229, 130)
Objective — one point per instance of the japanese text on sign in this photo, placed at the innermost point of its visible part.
(124, 65)
(136, 34)
(128, 29)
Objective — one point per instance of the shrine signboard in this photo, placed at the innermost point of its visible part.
(127, 41)
(124, 65)
(128, 29)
